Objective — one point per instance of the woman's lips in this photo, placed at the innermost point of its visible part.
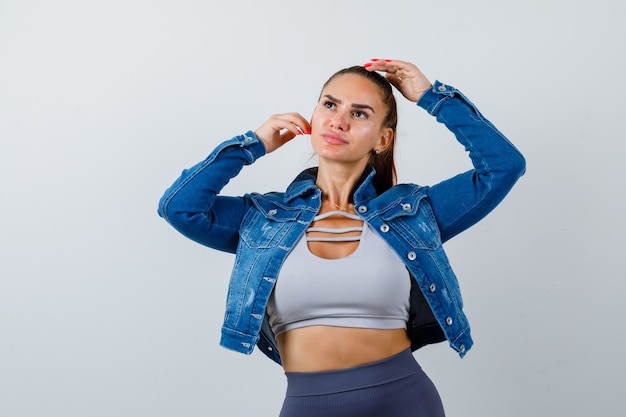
(334, 139)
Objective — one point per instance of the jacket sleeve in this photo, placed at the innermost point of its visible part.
(461, 201)
(193, 206)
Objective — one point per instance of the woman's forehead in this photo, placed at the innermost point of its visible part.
(353, 88)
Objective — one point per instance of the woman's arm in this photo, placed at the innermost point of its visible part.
(192, 204)
(463, 200)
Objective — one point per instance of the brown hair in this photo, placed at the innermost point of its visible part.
(383, 162)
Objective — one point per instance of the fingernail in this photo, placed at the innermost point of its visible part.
(374, 59)
(387, 60)
(369, 64)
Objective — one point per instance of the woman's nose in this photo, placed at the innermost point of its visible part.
(339, 121)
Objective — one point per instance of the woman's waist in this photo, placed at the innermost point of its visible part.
(327, 348)
(391, 370)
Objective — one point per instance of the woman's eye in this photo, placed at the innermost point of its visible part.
(360, 114)
(329, 105)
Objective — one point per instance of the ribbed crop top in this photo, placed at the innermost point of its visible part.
(367, 289)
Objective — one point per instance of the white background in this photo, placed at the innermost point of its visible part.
(107, 311)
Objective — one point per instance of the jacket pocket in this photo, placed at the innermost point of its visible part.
(413, 219)
(265, 225)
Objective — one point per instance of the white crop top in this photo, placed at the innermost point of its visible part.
(367, 289)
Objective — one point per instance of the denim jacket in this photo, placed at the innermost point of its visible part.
(261, 229)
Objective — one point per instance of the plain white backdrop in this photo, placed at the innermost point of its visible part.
(107, 311)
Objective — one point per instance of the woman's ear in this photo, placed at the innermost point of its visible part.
(385, 139)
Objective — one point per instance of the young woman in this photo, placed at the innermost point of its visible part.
(343, 275)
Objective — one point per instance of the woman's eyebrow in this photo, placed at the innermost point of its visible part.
(355, 105)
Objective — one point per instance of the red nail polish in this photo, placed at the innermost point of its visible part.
(374, 59)
(369, 64)
(387, 60)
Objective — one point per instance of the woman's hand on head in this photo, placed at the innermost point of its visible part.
(405, 76)
(280, 129)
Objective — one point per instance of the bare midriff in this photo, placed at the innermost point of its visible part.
(325, 348)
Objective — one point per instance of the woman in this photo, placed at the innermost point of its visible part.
(343, 275)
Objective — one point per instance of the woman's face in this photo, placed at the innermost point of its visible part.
(347, 122)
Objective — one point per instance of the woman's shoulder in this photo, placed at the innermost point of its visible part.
(402, 197)
(270, 197)
(405, 190)
(274, 201)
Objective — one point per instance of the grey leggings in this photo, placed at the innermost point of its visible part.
(393, 387)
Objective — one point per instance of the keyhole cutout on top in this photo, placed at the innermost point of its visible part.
(334, 234)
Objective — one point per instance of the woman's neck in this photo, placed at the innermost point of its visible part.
(337, 181)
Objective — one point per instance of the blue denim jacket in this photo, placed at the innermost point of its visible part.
(414, 220)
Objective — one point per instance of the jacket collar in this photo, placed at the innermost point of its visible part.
(304, 183)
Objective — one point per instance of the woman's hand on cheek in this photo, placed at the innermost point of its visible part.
(280, 129)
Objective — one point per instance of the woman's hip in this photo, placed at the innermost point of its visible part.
(396, 386)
